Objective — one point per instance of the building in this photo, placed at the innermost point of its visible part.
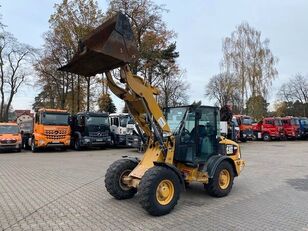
(23, 115)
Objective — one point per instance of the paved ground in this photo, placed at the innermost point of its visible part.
(65, 191)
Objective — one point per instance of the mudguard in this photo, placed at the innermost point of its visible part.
(214, 161)
(132, 158)
(174, 169)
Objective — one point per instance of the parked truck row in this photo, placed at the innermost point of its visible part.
(243, 128)
(57, 128)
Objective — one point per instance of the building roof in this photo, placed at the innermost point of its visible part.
(23, 112)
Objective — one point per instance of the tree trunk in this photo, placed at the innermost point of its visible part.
(78, 93)
(63, 94)
(88, 92)
(6, 117)
(73, 95)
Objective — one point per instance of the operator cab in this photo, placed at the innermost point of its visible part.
(196, 130)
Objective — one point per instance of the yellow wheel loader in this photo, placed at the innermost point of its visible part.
(184, 145)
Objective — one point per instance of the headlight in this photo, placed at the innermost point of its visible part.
(136, 139)
(231, 149)
(87, 140)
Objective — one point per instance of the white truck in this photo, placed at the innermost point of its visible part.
(124, 131)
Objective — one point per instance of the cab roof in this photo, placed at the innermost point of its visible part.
(92, 113)
(52, 110)
(118, 114)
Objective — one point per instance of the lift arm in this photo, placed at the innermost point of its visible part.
(111, 46)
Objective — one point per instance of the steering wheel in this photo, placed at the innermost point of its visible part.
(185, 131)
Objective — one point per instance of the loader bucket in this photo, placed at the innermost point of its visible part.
(109, 46)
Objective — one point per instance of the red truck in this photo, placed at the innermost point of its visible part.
(291, 127)
(269, 128)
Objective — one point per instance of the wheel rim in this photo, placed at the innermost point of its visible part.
(121, 183)
(165, 192)
(224, 179)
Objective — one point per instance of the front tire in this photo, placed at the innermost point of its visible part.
(77, 145)
(221, 183)
(159, 190)
(266, 137)
(244, 140)
(113, 179)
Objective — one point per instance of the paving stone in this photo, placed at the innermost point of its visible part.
(65, 191)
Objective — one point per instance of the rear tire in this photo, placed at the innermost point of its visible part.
(221, 183)
(113, 179)
(159, 190)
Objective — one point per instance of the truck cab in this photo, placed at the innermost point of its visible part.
(10, 138)
(118, 127)
(269, 128)
(51, 129)
(26, 130)
(303, 127)
(291, 127)
(245, 126)
(90, 129)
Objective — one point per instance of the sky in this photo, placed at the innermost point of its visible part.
(200, 26)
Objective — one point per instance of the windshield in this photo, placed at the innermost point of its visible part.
(174, 117)
(247, 121)
(97, 120)
(278, 122)
(54, 119)
(123, 121)
(9, 129)
(295, 122)
(304, 121)
(26, 125)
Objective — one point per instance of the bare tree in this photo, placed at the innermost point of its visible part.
(173, 89)
(222, 88)
(16, 59)
(249, 58)
(295, 89)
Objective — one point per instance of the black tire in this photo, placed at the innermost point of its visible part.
(148, 190)
(266, 137)
(214, 188)
(243, 140)
(113, 179)
(77, 145)
(33, 146)
(18, 150)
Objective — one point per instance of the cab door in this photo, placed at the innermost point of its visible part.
(185, 143)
